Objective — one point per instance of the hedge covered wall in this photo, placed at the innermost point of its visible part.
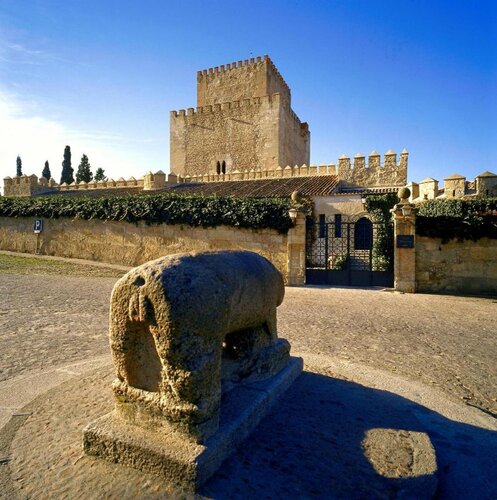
(458, 219)
(193, 210)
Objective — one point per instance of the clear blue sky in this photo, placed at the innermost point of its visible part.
(102, 76)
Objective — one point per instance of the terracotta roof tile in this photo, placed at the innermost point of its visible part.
(320, 185)
(95, 193)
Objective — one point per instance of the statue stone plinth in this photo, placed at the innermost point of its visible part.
(198, 363)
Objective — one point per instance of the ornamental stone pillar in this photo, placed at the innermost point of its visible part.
(296, 245)
(296, 251)
(404, 216)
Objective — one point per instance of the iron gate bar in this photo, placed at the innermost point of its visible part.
(349, 253)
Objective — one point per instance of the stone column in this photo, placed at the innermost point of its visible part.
(404, 215)
(296, 250)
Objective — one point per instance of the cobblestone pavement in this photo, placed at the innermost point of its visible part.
(443, 341)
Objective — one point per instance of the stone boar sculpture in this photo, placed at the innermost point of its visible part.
(187, 327)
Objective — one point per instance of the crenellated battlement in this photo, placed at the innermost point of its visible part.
(374, 173)
(357, 173)
(107, 184)
(27, 185)
(31, 185)
(267, 100)
(230, 70)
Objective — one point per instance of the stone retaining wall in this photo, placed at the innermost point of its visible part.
(456, 266)
(133, 244)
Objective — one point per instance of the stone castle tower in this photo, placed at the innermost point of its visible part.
(243, 121)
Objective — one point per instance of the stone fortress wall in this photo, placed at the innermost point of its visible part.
(124, 243)
(456, 266)
(31, 185)
(356, 172)
(27, 185)
(455, 186)
(243, 133)
(243, 80)
(243, 120)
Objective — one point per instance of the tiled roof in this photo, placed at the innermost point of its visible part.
(95, 193)
(369, 190)
(487, 174)
(320, 185)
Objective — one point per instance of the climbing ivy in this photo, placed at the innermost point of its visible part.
(379, 208)
(192, 210)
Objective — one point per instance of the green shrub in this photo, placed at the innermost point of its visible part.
(192, 210)
(382, 252)
(458, 219)
(338, 263)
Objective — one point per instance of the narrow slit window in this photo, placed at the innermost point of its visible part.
(322, 226)
(338, 225)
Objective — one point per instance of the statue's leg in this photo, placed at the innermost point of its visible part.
(271, 324)
(192, 383)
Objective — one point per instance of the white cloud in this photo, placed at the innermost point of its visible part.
(26, 132)
(17, 53)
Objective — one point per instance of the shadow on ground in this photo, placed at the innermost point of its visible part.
(309, 446)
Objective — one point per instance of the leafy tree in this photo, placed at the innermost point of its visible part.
(19, 166)
(67, 170)
(84, 170)
(46, 172)
(100, 175)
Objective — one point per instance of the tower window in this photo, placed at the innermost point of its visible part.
(218, 168)
(223, 167)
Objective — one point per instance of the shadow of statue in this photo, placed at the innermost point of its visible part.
(311, 446)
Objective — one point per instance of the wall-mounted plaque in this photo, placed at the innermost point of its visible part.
(405, 241)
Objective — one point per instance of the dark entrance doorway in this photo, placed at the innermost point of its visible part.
(349, 253)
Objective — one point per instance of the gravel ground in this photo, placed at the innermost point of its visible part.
(448, 342)
(444, 341)
(47, 321)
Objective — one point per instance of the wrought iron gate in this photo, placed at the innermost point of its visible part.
(349, 253)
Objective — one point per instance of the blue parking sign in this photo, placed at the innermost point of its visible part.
(38, 227)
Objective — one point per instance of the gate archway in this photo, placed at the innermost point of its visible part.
(349, 253)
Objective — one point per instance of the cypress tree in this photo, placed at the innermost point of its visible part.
(46, 172)
(84, 170)
(67, 170)
(19, 166)
(100, 174)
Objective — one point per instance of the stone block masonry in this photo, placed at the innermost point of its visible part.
(243, 121)
(358, 173)
(133, 244)
(456, 266)
(240, 80)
